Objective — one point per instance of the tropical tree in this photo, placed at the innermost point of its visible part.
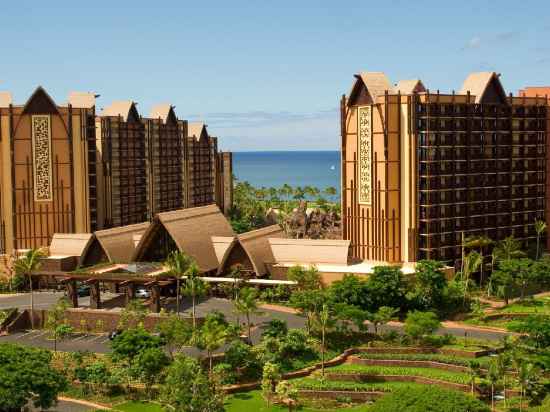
(504, 362)
(175, 331)
(287, 393)
(382, 316)
(27, 375)
(305, 278)
(178, 264)
(326, 321)
(493, 376)
(526, 373)
(540, 228)
(187, 388)
(195, 287)
(24, 266)
(474, 371)
(419, 324)
(133, 314)
(480, 243)
(213, 335)
(148, 365)
(308, 303)
(471, 265)
(271, 375)
(508, 248)
(247, 304)
(56, 322)
(430, 284)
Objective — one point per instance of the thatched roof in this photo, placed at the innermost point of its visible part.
(370, 84)
(126, 109)
(192, 231)
(196, 129)
(118, 242)
(165, 112)
(313, 251)
(69, 244)
(409, 86)
(256, 244)
(82, 100)
(479, 84)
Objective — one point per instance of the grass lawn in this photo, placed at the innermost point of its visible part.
(253, 402)
(538, 305)
(136, 406)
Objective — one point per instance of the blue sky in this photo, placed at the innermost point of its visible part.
(264, 75)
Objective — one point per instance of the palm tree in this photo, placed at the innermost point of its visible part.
(178, 263)
(493, 375)
(247, 304)
(480, 243)
(540, 227)
(27, 264)
(474, 369)
(471, 265)
(213, 336)
(195, 287)
(325, 322)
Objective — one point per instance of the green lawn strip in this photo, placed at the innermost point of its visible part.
(541, 306)
(253, 402)
(454, 377)
(433, 357)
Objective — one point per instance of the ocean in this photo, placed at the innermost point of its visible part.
(296, 168)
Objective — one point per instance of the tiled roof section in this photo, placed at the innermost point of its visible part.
(161, 111)
(192, 230)
(69, 244)
(120, 108)
(82, 100)
(312, 251)
(118, 242)
(477, 83)
(256, 244)
(5, 99)
(409, 86)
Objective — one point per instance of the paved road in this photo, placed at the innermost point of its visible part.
(64, 406)
(100, 343)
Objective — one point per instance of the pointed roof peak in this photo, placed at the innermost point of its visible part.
(123, 108)
(40, 102)
(164, 111)
(409, 86)
(478, 84)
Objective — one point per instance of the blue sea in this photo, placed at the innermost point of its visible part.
(296, 168)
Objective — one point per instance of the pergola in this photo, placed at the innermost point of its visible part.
(129, 277)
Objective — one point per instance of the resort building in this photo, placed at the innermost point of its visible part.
(66, 170)
(422, 170)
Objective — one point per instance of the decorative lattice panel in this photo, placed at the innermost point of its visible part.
(42, 157)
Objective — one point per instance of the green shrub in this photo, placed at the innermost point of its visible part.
(428, 399)
(276, 328)
(433, 357)
(226, 373)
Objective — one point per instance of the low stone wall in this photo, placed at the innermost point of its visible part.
(363, 377)
(408, 364)
(356, 396)
(85, 320)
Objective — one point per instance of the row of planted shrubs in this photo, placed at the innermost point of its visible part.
(430, 357)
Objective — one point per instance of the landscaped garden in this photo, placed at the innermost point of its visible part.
(343, 359)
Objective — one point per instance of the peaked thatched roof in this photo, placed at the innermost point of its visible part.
(69, 244)
(313, 251)
(123, 108)
(164, 112)
(256, 244)
(118, 242)
(478, 84)
(192, 231)
(221, 245)
(82, 100)
(373, 84)
(5, 99)
(195, 129)
(409, 86)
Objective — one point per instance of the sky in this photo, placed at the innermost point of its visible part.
(264, 75)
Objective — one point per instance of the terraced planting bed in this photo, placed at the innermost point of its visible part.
(374, 373)
(428, 357)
